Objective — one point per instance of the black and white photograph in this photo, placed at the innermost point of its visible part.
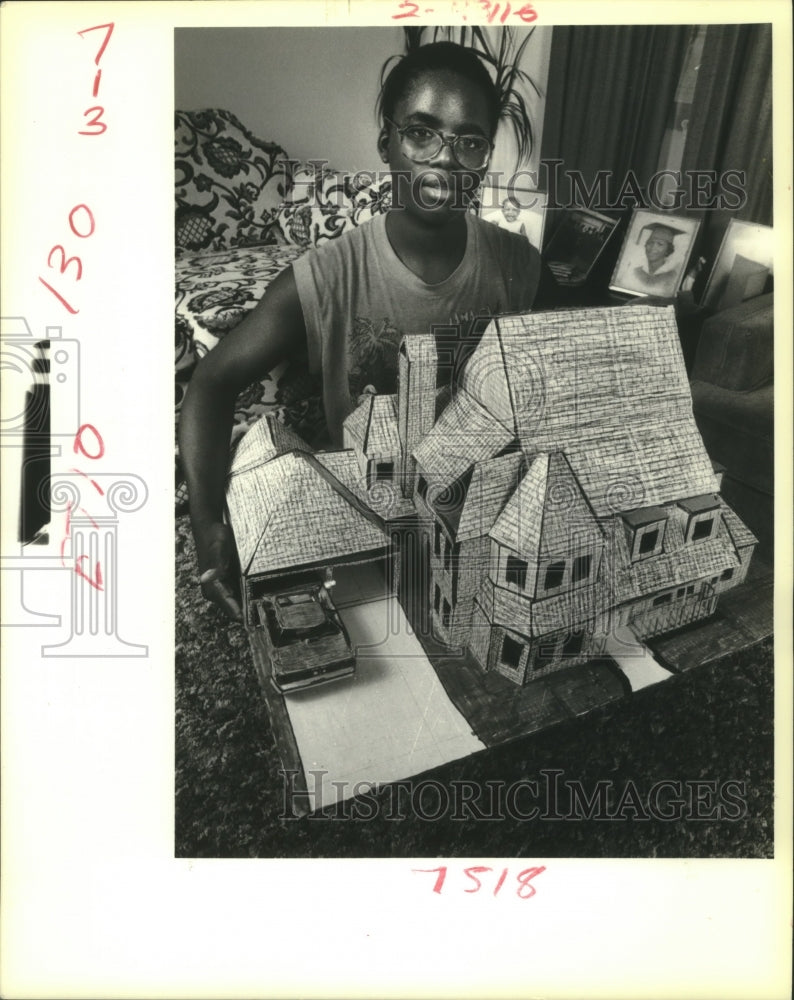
(357, 578)
(577, 243)
(743, 268)
(518, 210)
(431, 573)
(654, 255)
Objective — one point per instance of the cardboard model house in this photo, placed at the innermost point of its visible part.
(562, 492)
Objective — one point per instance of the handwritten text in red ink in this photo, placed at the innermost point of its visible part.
(95, 125)
(88, 443)
(481, 877)
(82, 225)
(494, 11)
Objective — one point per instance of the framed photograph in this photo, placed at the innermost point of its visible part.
(743, 266)
(654, 254)
(577, 244)
(521, 210)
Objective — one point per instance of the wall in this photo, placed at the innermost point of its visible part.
(313, 90)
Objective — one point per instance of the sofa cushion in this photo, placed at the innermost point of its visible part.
(324, 203)
(735, 350)
(229, 183)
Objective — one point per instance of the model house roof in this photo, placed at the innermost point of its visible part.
(681, 562)
(263, 441)
(547, 516)
(372, 428)
(465, 433)
(383, 499)
(271, 508)
(614, 399)
(492, 483)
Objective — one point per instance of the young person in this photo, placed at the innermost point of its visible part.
(426, 263)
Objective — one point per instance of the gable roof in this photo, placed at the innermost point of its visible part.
(264, 440)
(372, 427)
(614, 398)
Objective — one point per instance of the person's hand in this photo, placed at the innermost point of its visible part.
(217, 565)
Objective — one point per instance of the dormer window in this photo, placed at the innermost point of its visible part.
(702, 516)
(645, 532)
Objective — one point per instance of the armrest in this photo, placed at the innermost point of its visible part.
(735, 350)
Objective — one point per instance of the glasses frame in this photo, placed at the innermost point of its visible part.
(447, 139)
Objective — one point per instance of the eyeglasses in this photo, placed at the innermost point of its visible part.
(421, 144)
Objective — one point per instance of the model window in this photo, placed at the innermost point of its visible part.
(573, 644)
(445, 619)
(511, 652)
(437, 540)
(662, 599)
(554, 576)
(516, 572)
(546, 654)
(437, 599)
(648, 541)
(384, 471)
(726, 574)
(702, 529)
(581, 568)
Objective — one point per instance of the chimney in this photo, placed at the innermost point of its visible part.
(416, 400)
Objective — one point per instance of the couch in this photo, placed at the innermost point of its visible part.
(732, 384)
(244, 212)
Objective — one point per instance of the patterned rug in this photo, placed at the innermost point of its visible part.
(710, 725)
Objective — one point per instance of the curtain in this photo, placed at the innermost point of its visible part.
(731, 123)
(609, 95)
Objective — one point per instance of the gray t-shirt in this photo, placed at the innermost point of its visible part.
(359, 299)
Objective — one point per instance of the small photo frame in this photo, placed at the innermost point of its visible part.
(576, 244)
(519, 210)
(654, 254)
(743, 267)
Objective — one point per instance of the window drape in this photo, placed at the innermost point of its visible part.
(608, 100)
(731, 123)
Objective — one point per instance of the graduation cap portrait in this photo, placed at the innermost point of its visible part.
(654, 255)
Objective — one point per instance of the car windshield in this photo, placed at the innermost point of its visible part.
(299, 611)
(292, 617)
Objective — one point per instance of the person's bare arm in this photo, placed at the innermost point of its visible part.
(272, 332)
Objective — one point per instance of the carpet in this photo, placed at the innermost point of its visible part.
(679, 770)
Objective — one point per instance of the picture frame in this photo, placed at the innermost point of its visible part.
(577, 243)
(519, 210)
(655, 253)
(743, 265)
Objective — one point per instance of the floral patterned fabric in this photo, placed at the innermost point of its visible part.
(323, 203)
(229, 183)
(239, 200)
